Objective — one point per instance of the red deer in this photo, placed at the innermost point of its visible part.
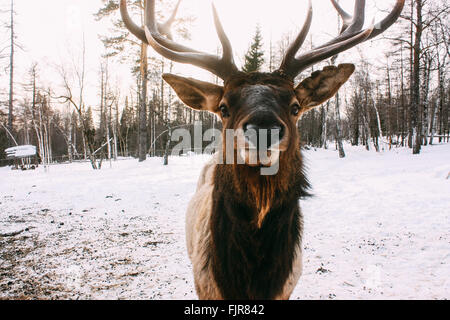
(244, 229)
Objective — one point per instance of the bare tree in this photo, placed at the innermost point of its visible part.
(11, 68)
(88, 132)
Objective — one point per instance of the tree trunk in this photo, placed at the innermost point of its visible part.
(324, 125)
(380, 130)
(69, 142)
(168, 123)
(425, 102)
(338, 129)
(402, 98)
(389, 132)
(11, 74)
(143, 105)
(415, 94)
(115, 130)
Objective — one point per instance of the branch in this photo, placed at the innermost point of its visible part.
(436, 17)
(399, 40)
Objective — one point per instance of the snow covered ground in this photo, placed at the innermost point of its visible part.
(377, 228)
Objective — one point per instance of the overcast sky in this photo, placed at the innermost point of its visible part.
(51, 32)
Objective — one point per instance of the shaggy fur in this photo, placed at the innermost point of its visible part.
(244, 229)
(252, 259)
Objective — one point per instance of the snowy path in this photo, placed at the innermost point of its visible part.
(378, 227)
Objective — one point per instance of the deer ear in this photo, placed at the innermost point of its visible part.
(198, 95)
(322, 85)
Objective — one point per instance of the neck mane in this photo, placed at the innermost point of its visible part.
(256, 227)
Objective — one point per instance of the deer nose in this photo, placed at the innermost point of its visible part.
(264, 133)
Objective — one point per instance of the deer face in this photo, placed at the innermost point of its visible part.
(262, 109)
(257, 109)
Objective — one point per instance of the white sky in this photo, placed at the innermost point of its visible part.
(51, 32)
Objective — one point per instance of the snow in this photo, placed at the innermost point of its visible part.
(378, 227)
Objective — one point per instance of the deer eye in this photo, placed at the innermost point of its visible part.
(224, 110)
(295, 109)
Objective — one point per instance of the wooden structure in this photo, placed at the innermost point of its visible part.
(23, 157)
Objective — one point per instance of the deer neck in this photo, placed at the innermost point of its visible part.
(260, 194)
(247, 243)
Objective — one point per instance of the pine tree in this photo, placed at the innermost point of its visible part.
(89, 119)
(254, 58)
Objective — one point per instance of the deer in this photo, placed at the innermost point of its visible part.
(243, 229)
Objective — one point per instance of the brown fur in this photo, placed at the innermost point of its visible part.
(239, 215)
(198, 235)
(198, 239)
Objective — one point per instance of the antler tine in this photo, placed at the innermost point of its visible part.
(387, 22)
(222, 67)
(131, 26)
(297, 44)
(344, 15)
(358, 17)
(352, 24)
(227, 54)
(150, 21)
(350, 36)
(166, 28)
(320, 54)
(140, 32)
(380, 27)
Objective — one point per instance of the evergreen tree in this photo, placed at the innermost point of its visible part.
(89, 119)
(254, 58)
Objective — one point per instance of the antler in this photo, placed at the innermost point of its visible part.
(159, 37)
(350, 36)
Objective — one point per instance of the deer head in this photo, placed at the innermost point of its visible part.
(260, 102)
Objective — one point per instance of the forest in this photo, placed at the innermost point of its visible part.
(399, 100)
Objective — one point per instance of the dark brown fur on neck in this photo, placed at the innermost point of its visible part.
(252, 254)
